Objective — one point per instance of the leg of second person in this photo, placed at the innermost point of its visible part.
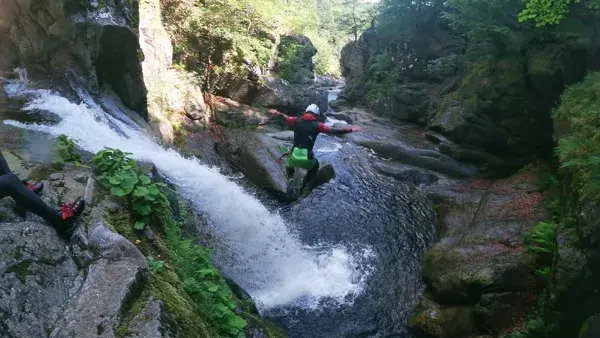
(311, 174)
(10, 185)
(4, 169)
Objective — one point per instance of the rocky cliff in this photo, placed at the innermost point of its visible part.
(493, 101)
(98, 39)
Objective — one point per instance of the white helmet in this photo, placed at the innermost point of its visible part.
(313, 108)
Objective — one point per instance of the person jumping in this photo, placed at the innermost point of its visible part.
(26, 196)
(306, 130)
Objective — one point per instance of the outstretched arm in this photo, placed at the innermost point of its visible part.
(325, 129)
(290, 121)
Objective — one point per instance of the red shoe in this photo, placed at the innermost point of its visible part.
(69, 213)
(36, 187)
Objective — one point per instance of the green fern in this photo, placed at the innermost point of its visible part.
(542, 239)
(545, 272)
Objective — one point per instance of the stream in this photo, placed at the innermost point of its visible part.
(343, 262)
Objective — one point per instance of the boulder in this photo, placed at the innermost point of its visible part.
(257, 157)
(295, 59)
(38, 277)
(153, 322)
(480, 264)
(431, 320)
(427, 159)
(108, 286)
(291, 99)
(232, 114)
(97, 39)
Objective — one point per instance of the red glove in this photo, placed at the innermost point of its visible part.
(273, 112)
(356, 129)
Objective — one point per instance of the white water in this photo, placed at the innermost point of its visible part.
(258, 250)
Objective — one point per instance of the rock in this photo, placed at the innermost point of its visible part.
(57, 176)
(108, 286)
(195, 107)
(406, 173)
(111, 282)
(339, 104)
(288, 98)
(37, 277)
(346, 117)
(114, 247)
(229, 113)
(8, 211)
(431, 320)
(295, 53)
(257, 156)
(328, 82)
(462, 274)
(480, 263)
(497, 311)
(118, 65)
(81, 178)
(287, 135)
(153, 322)
(431, 160)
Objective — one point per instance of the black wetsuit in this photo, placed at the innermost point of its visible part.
(306, 130)
(10, 185)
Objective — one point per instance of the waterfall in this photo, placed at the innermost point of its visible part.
(257, 248)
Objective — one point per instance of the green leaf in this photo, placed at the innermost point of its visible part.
(141, 191)
(118, 191)
(145, 179)
(139, 225)
(237, 322)
(115, 180)
(143, 210)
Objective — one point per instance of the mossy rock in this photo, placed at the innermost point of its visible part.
(432, 320)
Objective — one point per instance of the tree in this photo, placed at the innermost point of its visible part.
(357, 16)
(547, 13)
(404, 16)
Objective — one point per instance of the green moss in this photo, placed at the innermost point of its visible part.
(41, 172)
(21, 270)
(164, 285)
(17, 254)
(167, 287)
(577, 121)
(543, 63)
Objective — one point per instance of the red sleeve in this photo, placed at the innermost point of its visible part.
(323, 128)
(290, 121)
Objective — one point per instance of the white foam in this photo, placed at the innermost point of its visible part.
(259, 251)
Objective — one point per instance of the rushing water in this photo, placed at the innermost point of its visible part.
(342, 262)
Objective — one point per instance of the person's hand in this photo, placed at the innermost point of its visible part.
(356, 129)
(273, 112)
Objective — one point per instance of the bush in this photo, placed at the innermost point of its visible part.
(200, 279)
(577, 121)
(542, 239)
(121, 175)
(203, 282)
(64, 151)
(155, 265)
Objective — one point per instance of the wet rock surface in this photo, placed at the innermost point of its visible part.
(479, 270)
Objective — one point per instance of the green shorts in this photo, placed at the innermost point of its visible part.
(299, 159)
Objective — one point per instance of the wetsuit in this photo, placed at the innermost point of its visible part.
(10, 185)
(306, 130)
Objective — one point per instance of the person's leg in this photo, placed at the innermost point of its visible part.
(10, 185)
(311, 174)
(4, 169)
(290, 172)
(36, 187)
